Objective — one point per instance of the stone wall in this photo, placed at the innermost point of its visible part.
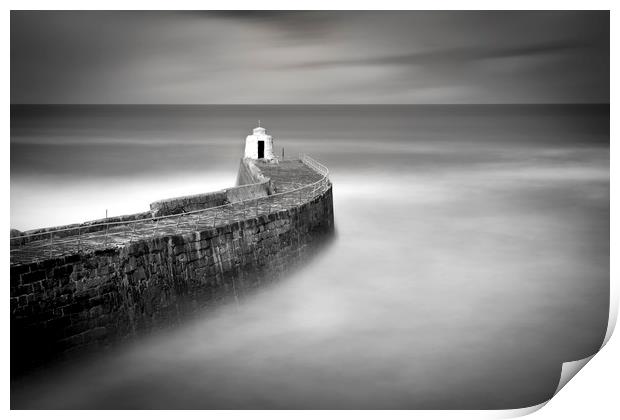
(213, 199)
(74, 229)
(249, 173)
(69, 304)
(179, 205)
(259, 186)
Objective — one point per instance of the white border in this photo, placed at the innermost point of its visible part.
(591, 394)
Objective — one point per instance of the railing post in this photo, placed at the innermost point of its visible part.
(257, 207)
(133, 232)
(79, 239)
(105, 240)
(51, 243)
(155, 227)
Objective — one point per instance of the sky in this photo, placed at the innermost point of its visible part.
(324, 57)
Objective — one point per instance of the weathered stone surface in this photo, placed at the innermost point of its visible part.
(73, 302)
(189, 203)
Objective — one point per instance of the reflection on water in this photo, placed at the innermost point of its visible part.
(472, 258)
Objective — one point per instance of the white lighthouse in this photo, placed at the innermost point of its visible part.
(259, 145)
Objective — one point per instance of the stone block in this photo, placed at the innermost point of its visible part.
(71, 259)
(23, 289)
(17, 270)
(33, 276)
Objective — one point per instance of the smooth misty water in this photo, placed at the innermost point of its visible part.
(471, 257)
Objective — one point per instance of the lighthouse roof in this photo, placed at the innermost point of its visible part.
(259, 130)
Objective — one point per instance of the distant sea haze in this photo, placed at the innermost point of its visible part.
(471, 258)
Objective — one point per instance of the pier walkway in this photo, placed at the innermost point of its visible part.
(295, 182)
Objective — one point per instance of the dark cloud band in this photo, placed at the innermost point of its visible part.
(227, 57)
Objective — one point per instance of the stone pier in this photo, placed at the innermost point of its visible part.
(89, 285)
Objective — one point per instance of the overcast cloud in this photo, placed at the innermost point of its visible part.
(309, 57)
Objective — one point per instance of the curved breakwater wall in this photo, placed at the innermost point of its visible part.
(213, 199)
(72, 303)
(251, 183)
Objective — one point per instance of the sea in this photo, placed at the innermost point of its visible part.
(470, 261)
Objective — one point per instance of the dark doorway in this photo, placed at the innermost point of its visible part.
(261, 149)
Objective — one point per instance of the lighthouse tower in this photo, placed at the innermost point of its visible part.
(259, 145)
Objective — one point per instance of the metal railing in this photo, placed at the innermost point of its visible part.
(313, 164)
(61, 242)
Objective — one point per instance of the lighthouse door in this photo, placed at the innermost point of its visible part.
(261, 149)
